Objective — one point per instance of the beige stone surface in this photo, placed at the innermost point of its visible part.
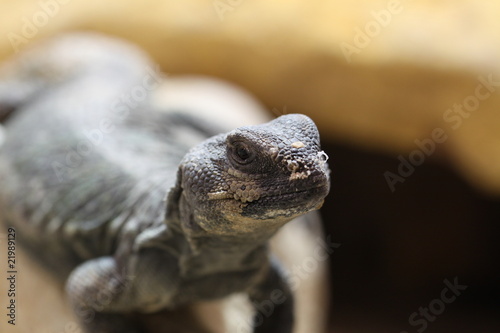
(40, 302)
(417, 59)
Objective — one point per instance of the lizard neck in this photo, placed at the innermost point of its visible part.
(203, 255)
(200, 241)
(211, 249)
(185, 226)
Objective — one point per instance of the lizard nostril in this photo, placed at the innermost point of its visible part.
(323, 156)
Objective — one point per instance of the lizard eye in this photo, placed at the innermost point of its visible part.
(242, 153)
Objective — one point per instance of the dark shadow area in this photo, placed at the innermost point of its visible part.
(399, 248)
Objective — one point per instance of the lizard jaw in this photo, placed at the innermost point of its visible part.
(225, 195)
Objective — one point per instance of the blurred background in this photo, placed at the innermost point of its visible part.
(405, 94)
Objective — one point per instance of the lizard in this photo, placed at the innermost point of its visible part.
(140, 210)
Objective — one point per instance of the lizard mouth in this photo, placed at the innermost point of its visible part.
(288, 205)
(273, 204)
(276, 195)
(291, 194)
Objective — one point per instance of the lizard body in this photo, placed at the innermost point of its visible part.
(152, 209)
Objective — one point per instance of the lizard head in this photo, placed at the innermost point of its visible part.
(255, 178)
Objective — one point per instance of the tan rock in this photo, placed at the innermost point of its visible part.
(415, 60)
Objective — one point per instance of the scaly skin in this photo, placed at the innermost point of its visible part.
(85, 172)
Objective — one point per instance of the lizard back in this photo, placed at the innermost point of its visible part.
(86, 159)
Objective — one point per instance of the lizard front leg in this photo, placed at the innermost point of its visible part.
(273, 303)
(99, 294)
(108, 297)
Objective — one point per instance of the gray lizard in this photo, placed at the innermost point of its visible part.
(119, 199)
